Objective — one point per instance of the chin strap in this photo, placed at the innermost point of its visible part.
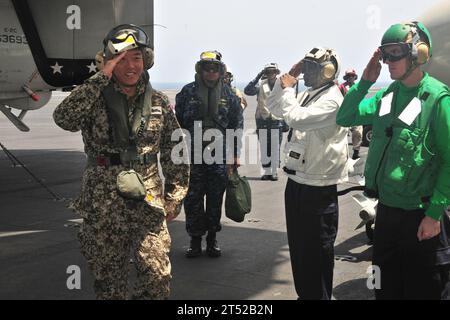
(411, 68)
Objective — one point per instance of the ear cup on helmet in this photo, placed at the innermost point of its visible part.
(423, 52)
(328, 71)
(99, 60)
(149, 58)
(421, 49)
(197, 67)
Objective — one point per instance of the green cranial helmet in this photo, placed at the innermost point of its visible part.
(413, 33)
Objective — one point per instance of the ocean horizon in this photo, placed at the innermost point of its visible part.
(240, 85)
(179, 85)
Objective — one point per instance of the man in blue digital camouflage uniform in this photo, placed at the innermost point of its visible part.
(208, 106)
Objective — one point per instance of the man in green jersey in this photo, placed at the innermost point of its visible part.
(408, 165)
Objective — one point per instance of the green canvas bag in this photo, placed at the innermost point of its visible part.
(238, 198)
(130, 185)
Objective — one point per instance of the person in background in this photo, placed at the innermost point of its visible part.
(228, 79)
(350, 77)
(207, 103)
(267, 124)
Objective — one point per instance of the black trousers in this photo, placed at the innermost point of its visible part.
(312, 222)
(407, 266)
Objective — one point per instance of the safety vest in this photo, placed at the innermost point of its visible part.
(401, 155)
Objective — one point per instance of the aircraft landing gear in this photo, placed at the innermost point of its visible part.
(370, 229)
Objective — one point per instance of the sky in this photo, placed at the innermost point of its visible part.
(250, 34)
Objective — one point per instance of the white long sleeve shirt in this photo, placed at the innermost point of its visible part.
(317, 151)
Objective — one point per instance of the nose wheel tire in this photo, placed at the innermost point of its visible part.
(370, 230)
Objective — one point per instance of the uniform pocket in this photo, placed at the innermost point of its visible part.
(421, 176)
(295, 157)
(152, 135)
(399, 160)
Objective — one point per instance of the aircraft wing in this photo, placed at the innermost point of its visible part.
(65, 35)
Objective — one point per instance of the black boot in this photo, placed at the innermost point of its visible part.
(212, 249)
(355, 154)
(195, 248)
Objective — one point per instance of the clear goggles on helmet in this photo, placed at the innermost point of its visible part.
(394, 51)
(211, 55)
(127, 39)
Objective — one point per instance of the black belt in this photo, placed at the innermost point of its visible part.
(114, 159)
(289, 171)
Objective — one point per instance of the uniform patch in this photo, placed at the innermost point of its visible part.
(412, 110)
(386, 104)
(294, 155)
(156, 110)
(266, 88)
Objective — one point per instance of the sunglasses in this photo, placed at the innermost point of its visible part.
(394, 52)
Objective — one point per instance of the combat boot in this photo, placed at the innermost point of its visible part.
(212, 249)
(195, 248)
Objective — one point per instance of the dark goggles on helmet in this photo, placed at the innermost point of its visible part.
(271, 71)
(210, 67)
(394, 51)
(310, 66)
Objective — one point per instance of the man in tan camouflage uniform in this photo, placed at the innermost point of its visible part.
(112, 223)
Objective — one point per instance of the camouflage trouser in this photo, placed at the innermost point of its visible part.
(106, 242)
(209, 181)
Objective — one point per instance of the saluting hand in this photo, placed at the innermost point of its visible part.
(111, 64)
(296, 69)
(287, 81)
(260, 74)
(373, 68)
